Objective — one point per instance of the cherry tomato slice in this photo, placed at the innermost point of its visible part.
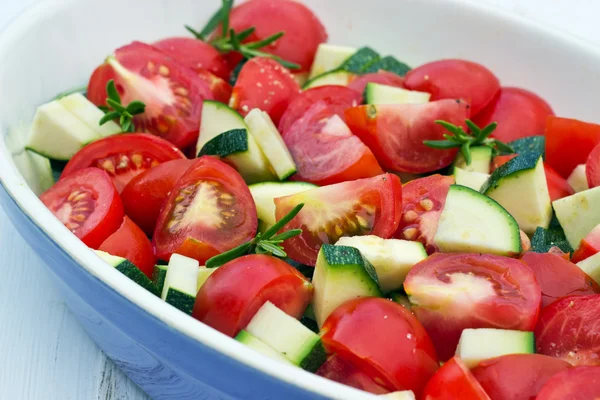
(145, 194)
(326, 151)
(569, 329)
(363, 207)
(130, 242)
(517, 376)
(453, 292)
(558, 187)
(123, 156)
(423, 200)
(395, 133)
(558, 277)
(339, 370)
(518, 112)
(88, 204)
(220, 89)
(581, 383)
(382, 77)
(235, 292)
(454, 381)
(338, 98)
(209, 211)
(589, 246)
(455, 79)
(569, 142)
(592, 168)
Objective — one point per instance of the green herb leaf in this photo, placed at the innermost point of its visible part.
(112, 92)
(286, 235)
(136, 107)
(245, 34)
(225, 14)
(272, 249)
(115, 110)
(232, 254)
(282, 222)
(109, 116)
(466, 151)
(442, 144)
(115, 105)
(265, 42)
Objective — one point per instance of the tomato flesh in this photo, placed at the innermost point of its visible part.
(382, 77)
(363, 207)
(395, 351)
(235, 292)
(581, 383)
(592, 168)
(87, 203)
(339, 370)
(569, 329)
(453, 292)
(395, 133)
(454, 381)
(589, 246)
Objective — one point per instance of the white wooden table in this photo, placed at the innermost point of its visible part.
(44, 354)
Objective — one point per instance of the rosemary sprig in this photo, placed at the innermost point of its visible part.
(115, 110)
(463, 140)
(268, 242)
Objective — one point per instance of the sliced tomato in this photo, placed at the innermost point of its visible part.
(195, 54)
(130, 242)
(382, 77)
(209, 211)
(589, 246)
(517, 376)
(326, 151)
(88, 204)
(264, 83)
(235, 292)
(453, 292)
(173, 93)
(220, 89)
(371, 206)
(455, 79)
(395, 350)
(454, 381)
(569, 142)
(395, 133)
(558, 277)
(422, 203)
(569, 329)
(338, 98)
(518, 112)
(145, 194)
(581, 383)
(592, 168)
(558, 187)
(339, 370)
(303, 30)
(123, 156)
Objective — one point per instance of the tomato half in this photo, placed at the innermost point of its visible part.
(422, 202)
(558, 277)
(87, 203)
(589, 246)
(518, 112)
(145, 194)
(220, 89)
(454, 381)
(581, 383)
(455, 79)
(558, 187)
(569, 329)
(337, 98)
(453, 292)
(264, 83)
(173, 93)
(371, 206)
(339, 370)
(395, 133)
(592, 168)
(382, 77)
(326, 151)
(569, 142)
(209, 211)
(237, 290)
(123, 156)
(517, 376)
(303, 30)
(130, 242)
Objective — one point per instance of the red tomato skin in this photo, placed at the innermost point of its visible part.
(145, 194)
(581, 383)
(96, 90)
(195, 54)
(264, 83)
(395, 351)
(454, 381)
(589, 246)
(516, 307)
(569, 329)
(395, 133)
(569, 142)
(518, 112)
(527, 373)
(108, 213)
(339, 370)
(501, 160)
(382, 77)
(338, 98)
(153, 150)
(558, 187)
(592, 168)
(455, 79)
(130, 242)
(196, 240)
(558, 277)
(237, 290)
(303, 30)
